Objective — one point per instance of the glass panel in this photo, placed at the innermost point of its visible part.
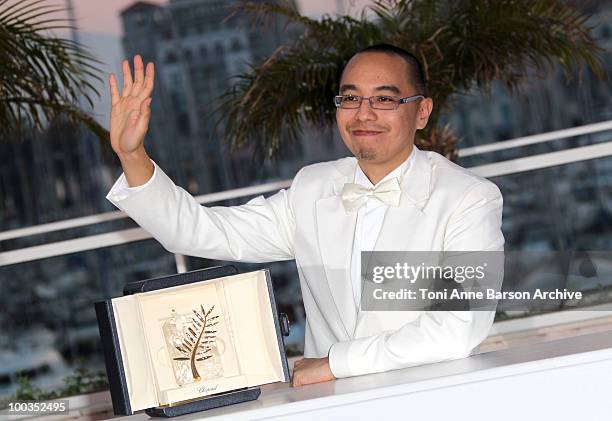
(563, 208)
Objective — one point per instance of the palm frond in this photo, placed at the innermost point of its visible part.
(460, 43)
(43, 77)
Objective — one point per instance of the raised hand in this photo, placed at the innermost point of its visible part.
(131, 109)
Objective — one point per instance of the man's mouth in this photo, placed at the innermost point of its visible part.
(365, 132)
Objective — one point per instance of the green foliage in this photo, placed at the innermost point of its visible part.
(26, 391)
(43, 76)
(459, 42)
(83, 381)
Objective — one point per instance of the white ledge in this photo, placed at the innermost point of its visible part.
(563, 380)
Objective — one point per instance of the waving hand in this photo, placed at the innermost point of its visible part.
(131, 109)
(129, 120)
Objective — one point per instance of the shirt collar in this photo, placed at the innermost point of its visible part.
(399, 171)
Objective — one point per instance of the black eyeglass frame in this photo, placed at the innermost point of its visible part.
(400, 101)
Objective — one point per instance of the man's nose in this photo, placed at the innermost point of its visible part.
(365, 111)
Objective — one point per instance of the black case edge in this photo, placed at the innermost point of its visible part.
(179, 279)
(214, 401)
(112, 357)
(279, 331)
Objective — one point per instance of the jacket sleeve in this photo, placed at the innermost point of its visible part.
(261, 230)
(434, 336)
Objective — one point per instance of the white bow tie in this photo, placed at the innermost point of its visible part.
(355, 196)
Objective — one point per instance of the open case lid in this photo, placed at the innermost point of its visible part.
(146, 370)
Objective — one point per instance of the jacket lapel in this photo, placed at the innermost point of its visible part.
(415, 193)
(335, 230)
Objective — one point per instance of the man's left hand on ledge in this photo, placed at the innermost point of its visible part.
(311, 370)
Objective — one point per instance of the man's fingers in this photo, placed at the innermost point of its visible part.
(127, 78)
(114, 90)
(138, 75)
(149, 81)
(295, 380)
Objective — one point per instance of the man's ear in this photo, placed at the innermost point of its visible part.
(423, 113)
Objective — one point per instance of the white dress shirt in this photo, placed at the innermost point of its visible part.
(370, 218)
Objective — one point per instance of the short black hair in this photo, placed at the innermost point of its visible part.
(416, 75)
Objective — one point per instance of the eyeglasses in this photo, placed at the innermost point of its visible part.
(380, 102)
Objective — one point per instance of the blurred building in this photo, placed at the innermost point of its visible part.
(50, 176)
(198, 52)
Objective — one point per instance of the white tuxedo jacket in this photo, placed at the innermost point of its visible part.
(443, 207)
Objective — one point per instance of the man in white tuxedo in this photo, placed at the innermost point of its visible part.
(388, 196)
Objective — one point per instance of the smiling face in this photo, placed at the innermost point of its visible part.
(380, 139)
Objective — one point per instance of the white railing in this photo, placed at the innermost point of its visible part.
(537, 138)
(124, 236)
